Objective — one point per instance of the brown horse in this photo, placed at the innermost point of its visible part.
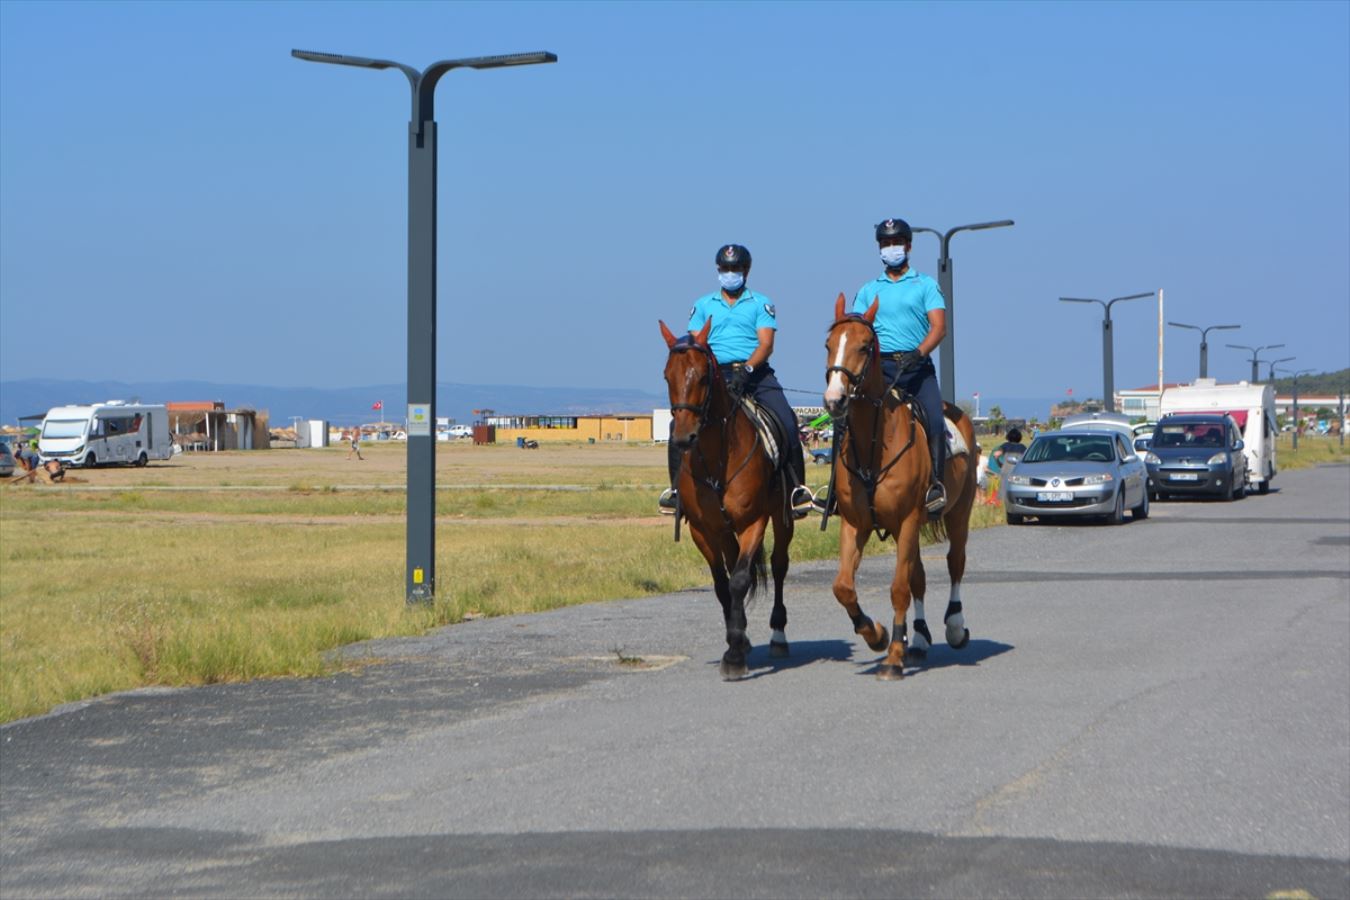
(881, 473)
(728, 491)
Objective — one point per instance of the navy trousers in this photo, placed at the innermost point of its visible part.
(766, 390)
(923, 384)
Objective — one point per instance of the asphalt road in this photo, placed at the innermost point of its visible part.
(1157, 709)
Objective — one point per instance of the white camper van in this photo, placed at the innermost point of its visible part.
(1251, 406)
(112, 432)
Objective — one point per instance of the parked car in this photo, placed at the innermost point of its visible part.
(1077, 473)
(6, 460)
(1143, 436)
(1199, 453)
(1115, 423)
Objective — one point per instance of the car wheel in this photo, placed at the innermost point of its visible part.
(1229, 494)
(1263, 487)
(142, 460)
(1140, 511)
(1118, 514)
(90, 461)
(1241, 490)
(1015, 519)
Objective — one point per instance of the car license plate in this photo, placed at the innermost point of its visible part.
(1054, 496)
(1185, 476)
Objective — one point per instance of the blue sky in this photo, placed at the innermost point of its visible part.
(179, 198)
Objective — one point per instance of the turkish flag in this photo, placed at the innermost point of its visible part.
(378, 404)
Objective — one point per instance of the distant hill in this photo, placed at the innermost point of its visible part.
(341, 406)
(1326, 384)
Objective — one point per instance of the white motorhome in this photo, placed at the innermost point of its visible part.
(1251, 406)
(112, 432)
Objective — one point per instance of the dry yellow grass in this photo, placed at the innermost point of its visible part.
(230, 566)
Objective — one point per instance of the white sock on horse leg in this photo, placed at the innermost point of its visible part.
(956, 623)
(919, 642)
(778, 637)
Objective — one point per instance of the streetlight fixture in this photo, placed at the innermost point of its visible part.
(420, 572)
(1256, 373)
(1295, 398)
(1108, 351)
(948, 345)
(1204, 346)
(1275, 363)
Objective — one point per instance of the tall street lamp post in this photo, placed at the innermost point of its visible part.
(1256, 372)
(1276, 362)
(420, 573)
(1204, 345)
(1108, 352)
(948, 373)
(1296, 418)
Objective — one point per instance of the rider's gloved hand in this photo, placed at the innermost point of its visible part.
(738, 382)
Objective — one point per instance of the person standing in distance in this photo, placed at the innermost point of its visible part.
(911, 321)
(743, 326)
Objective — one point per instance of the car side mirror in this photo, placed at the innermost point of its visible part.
(1238, 445)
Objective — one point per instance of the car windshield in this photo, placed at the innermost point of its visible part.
(1201, 435)
(1070, 448)
(64, 428)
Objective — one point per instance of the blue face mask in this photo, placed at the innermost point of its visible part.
(731, 281)
(893, 256)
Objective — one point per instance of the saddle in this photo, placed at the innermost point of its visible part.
(771, 433)
(956, 443)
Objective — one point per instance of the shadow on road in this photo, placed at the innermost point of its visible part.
(803, 653)
(941, 657)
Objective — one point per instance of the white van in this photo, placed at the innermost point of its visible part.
(112, 432)
(1251, 406)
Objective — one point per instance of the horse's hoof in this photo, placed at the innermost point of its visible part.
(778, 650)
(882, 642)
(733, 671)
(959, 644)
(888, 672)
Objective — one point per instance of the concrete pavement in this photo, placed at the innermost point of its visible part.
(1157, 709)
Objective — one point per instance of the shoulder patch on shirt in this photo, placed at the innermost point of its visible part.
(768, 308)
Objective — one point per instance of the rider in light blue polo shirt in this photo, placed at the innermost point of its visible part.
(741, 337)
(910, 323)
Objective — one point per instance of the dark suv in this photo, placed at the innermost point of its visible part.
(1197, 453)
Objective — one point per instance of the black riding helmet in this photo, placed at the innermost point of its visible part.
(733, 256)
(893, 229)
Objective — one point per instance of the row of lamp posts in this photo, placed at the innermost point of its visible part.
(420, 569)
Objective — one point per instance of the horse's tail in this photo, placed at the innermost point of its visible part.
(934, 531)
(759, 573)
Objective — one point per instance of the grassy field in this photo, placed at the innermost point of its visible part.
(231, 566)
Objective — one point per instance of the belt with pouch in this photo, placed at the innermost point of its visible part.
(907, 360)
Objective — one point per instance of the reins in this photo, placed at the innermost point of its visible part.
(712, 381)
(870, 479)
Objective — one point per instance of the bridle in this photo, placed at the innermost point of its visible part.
(860, 467)
(684, 345)
(856, 379)
(710, 477)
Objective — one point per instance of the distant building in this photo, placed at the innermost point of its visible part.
(1143, 402)
(595, 428)
(208, 425)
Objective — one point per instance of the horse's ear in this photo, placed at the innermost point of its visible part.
(666, 333)
(871, 313)
(839, 307)
(702, 337)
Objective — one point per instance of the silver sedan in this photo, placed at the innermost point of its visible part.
(1077, 473)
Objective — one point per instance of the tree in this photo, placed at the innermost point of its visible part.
(996, 418)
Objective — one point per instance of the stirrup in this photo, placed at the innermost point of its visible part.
(803, 501)
(936, 501)
(665, 504)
